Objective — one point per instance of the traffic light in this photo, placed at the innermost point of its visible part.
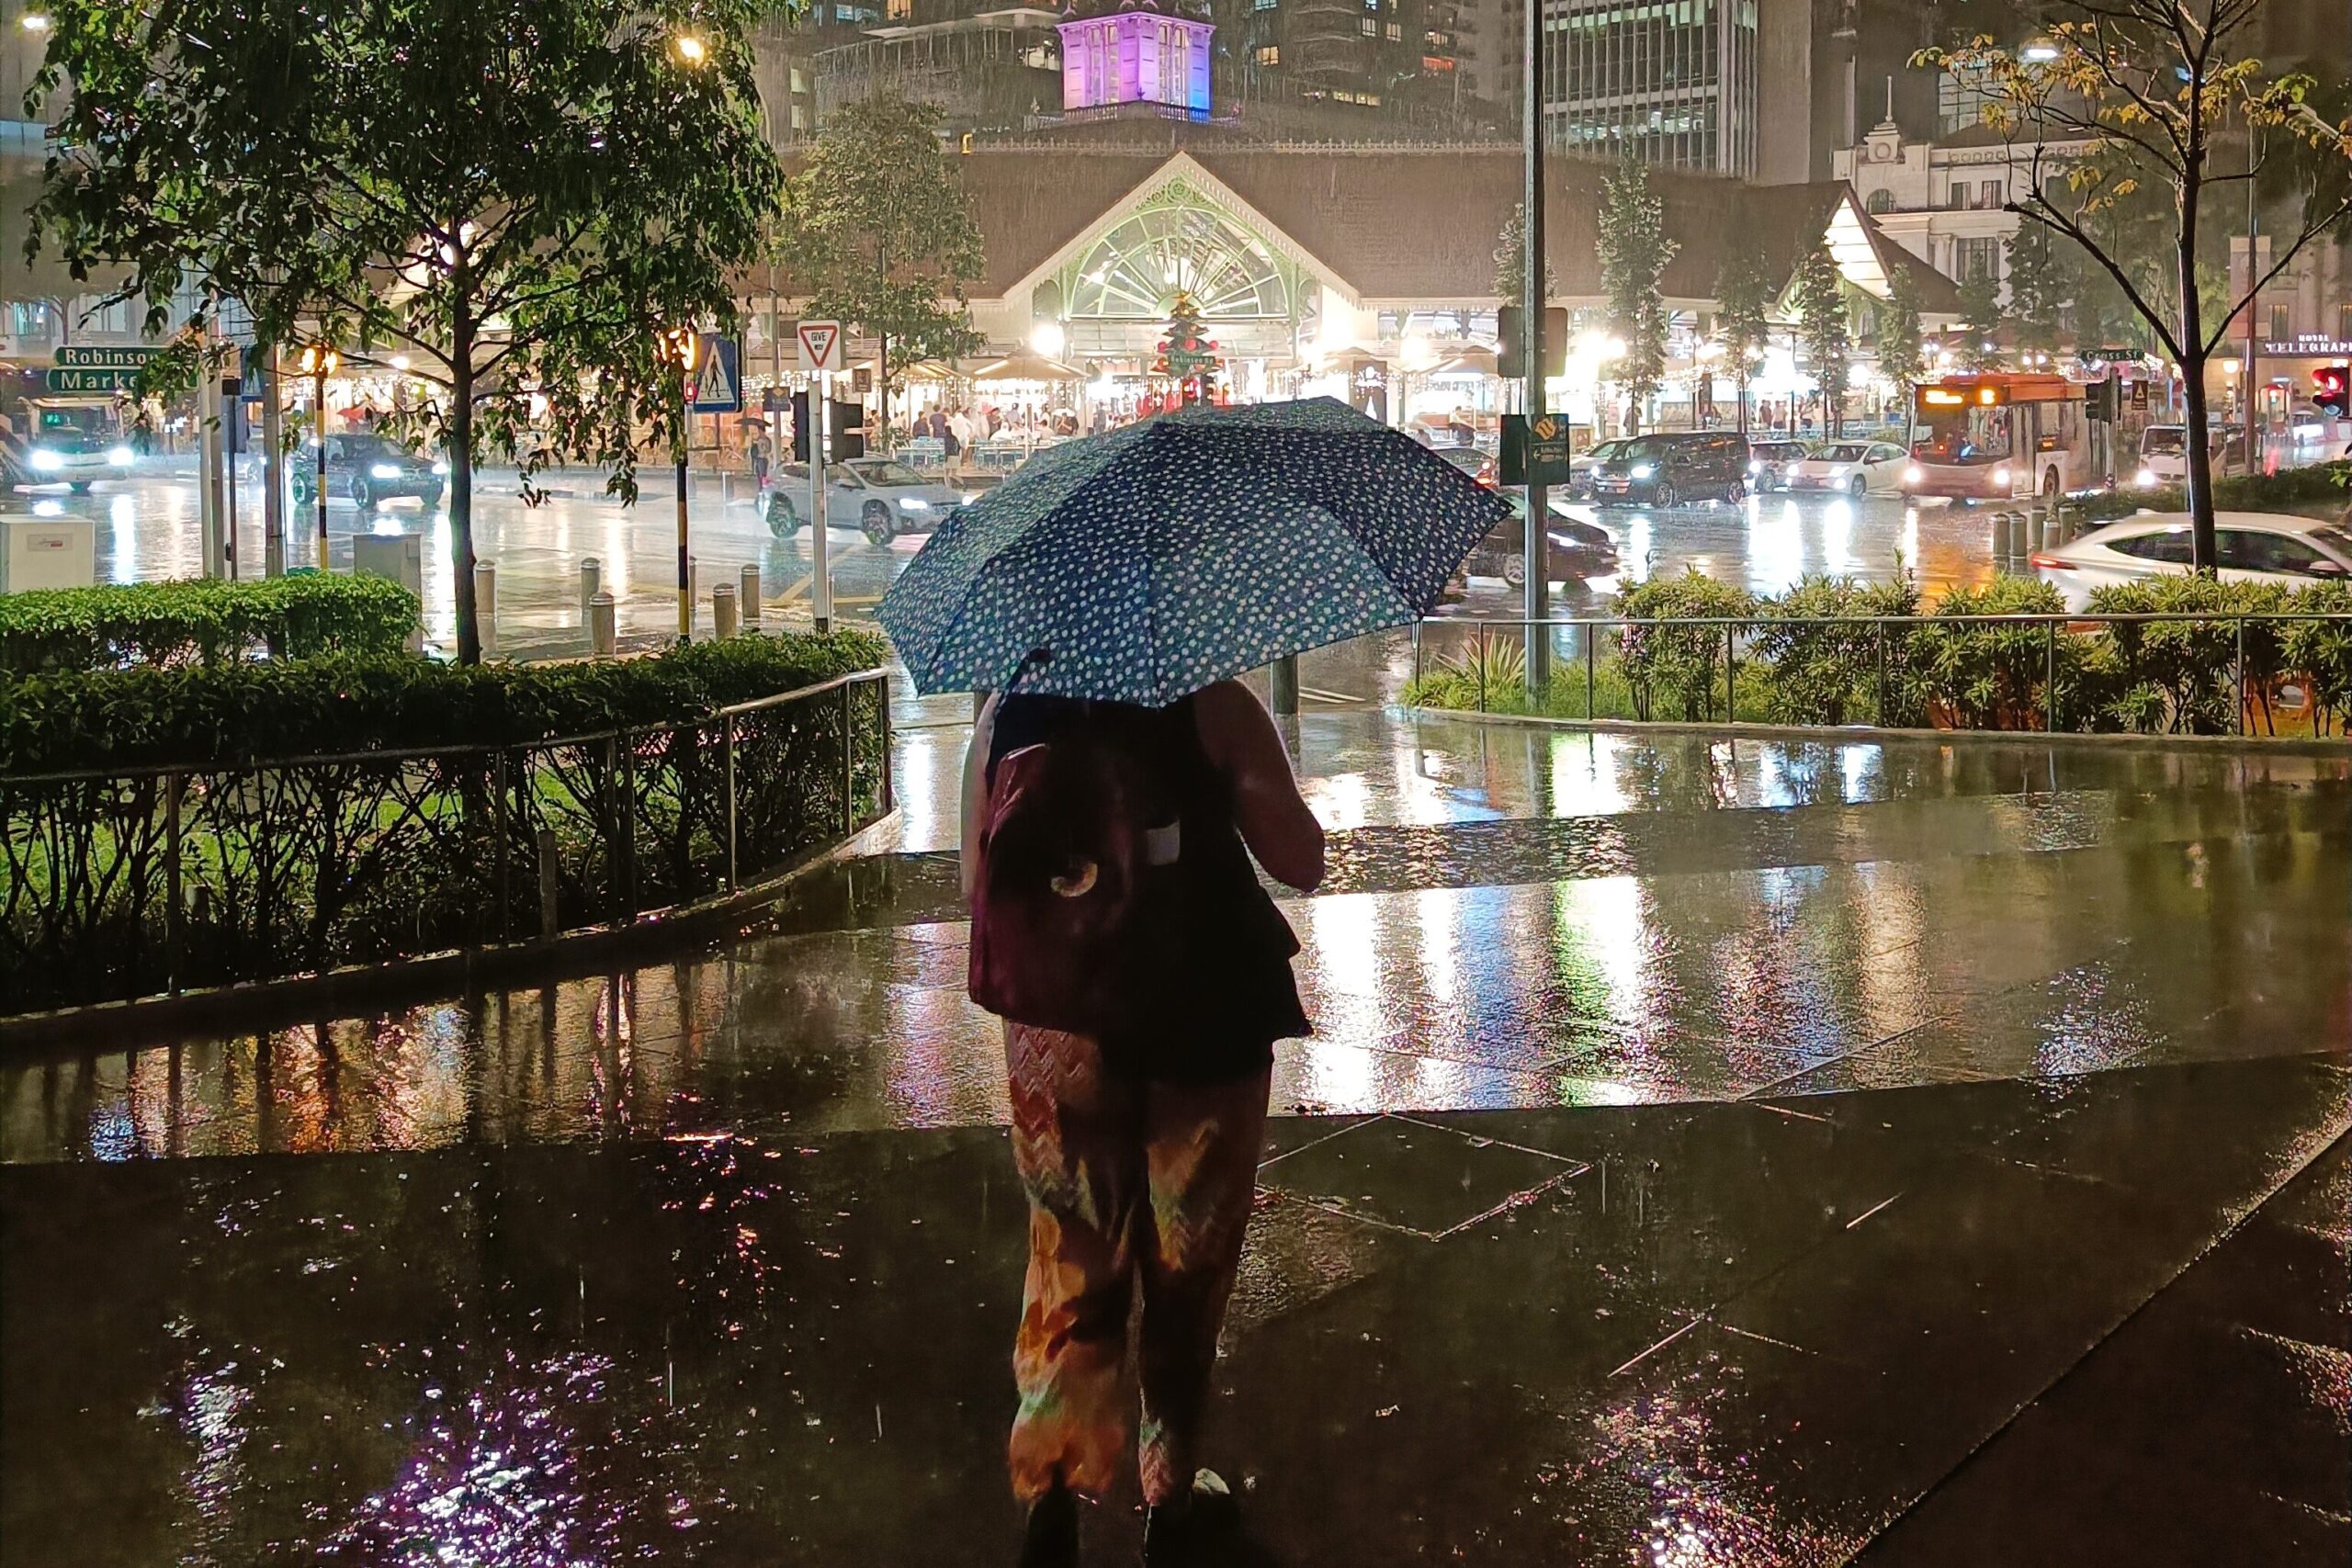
(804, 435)
(849, 431)
(1510, 341)
(2332, 389)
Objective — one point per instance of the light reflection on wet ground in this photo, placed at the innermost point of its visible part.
(1708, 1147)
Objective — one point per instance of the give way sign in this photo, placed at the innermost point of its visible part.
(821, 346)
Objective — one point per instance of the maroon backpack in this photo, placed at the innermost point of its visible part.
(1077, 901)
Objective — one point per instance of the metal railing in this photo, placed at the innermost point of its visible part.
(2156, 672)
(145, 882)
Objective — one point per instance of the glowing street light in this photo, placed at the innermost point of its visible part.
(34, 21)
(691, 49)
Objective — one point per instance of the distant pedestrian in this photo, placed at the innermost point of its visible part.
(756, 449)
(1103, 849)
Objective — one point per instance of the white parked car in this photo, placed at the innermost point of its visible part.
(1856, 467)
(2249, 546)
(878, 496)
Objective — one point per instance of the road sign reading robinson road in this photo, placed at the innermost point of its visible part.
(821, 346)
(105, 358)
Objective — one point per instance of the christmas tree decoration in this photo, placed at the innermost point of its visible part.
(1187, 356)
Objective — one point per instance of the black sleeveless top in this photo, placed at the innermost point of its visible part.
(1233, 956)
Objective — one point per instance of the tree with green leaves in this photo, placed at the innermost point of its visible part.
(1826, 331)
(2040, 289)
(1980, 312)
(1510, 260)
(2127, 97)
(514, 196)
(1901, 357)
(1634, 249)
(878, 232)
(1743, 316)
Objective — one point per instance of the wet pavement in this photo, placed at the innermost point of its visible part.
(1711, 1152)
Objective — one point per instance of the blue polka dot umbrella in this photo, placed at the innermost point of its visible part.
(1161, 557)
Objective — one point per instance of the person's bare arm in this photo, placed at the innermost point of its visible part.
(976, 792)
(1241, 740)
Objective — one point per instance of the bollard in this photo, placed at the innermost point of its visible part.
(2037, 532)
(486, 602)
(592, 583)
(722, 610)
(748, 599)
(601, 636)
(2069, 524)
(1283, 677)
(550, 882)
(2000, 537)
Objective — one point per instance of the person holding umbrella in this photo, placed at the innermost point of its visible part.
(1113, 795)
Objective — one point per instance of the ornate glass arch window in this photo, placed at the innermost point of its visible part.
(1136, 269)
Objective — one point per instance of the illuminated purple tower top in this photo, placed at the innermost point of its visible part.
(1136, 55)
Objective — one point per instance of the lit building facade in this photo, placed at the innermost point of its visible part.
(1137, 57)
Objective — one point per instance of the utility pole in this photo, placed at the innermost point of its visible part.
(273, 455)
(1534, 298)
(2253, 310)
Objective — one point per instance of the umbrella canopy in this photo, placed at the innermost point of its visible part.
(1027, 367)
(1165, 555)
(1474, 359)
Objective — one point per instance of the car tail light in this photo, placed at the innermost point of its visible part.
(2051, 561)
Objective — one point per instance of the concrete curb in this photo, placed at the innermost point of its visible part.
(2293, 746)
(107, 1028)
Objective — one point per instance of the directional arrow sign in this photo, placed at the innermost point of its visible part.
(822, 346)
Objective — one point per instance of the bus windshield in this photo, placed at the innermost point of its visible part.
(1965, 435)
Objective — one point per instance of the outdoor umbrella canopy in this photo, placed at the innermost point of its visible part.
(1027, 367)
(1165, 555)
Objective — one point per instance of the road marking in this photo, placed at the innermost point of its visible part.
(798, 590)
(857, 598)
(1323, 697)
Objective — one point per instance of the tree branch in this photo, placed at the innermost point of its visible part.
(2039, 211)
(2312, 231)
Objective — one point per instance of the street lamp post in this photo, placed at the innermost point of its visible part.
(682, 346)
(319, 361)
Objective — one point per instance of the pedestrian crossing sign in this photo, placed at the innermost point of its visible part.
(719, 378)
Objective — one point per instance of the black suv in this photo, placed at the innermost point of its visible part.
(366, 468)
(1667, 471)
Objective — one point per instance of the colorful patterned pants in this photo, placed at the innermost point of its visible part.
(1130, 1183)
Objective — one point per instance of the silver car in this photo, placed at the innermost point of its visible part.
(880, 497)
(2249, 546)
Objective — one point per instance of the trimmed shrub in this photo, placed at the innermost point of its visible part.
(2319, 654)
(204, 621)
(1997, 677)
(2232, 493)
(238, 712)
(1851, 672)
(2180, 677)
(1677, 672)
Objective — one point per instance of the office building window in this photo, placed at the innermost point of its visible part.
(1959, 196)
(1394, 32)
(2279, 326)
(1979, 258)
(1269, 54)
(1991, 190)
(799, 118)
(1881, 200)
(1371, 28)
(800, 83)
(2343, 320)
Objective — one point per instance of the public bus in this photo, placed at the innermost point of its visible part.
(1993, 434)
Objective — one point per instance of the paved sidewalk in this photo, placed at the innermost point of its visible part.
(1711, 1153)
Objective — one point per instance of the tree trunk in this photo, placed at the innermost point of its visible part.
(461, 491)
(2200, 457)
(1743, 406)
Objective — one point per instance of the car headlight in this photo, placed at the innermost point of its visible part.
(47, 461)
(1837, 472)
(440, 471)
(383, 471)
(1912, 475)
(2000, 476)
(1755, 468)
(1642, 470)
(121, 456)
(914, 504)
(2145, 478)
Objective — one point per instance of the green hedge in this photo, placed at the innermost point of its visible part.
(1945, 672)
(205, 621)
(232, 711)
(2232, 493)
